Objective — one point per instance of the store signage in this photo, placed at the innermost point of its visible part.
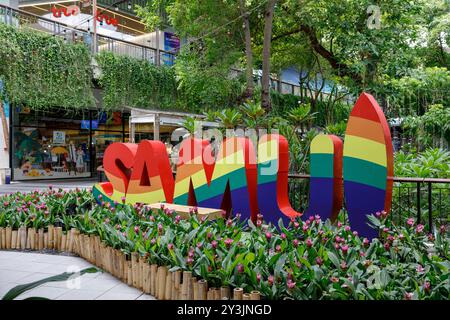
(71, 10)
(74, 10)
(246, 182)
(59, 137)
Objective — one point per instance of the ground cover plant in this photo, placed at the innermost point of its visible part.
(310, 259)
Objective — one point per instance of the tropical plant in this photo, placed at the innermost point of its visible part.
(230, 118)
(253, 113)
(301, 115)
(337, 129)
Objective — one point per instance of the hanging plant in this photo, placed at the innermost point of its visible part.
(41, 71)
(129, 82)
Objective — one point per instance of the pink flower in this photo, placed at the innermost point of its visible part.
(258, 278)
(270, 280)
(420, 269)
(319, 261)
(419, 228)
(385, 230)
(408, 296)
(339, 224)
(334, 279)
(343, 265)
(223, 212)
(240, 268)
(162, 206)
(214, 244)
(153, 241)
(290, 284)
(337, 246)
(309, 243)
(338, 239)
(123, 199)
(344, 249)
(228, 242)
(355, 233)
(347, 228)
(238, 216)
(317, 217)
(401, 236)
(209, 235)
(160, 228)
(295, 243)
(258, 223)
(229, 222)
(278, 248)
(189, 260)
(199, 245)
(387, 246)
(311, 218)
(442, 229)
(283, 236)
(268, 236)
(378, 214)
(170, 246)
(136, 229)
(366, 242)
(426, 286)
(296, 225)
(410, 222)
(305, 227)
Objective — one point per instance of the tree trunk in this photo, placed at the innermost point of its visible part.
(248, 51)
(265, 81)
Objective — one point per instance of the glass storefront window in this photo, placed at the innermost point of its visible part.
(60, 144)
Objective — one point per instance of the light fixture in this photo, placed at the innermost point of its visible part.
(129, 5)
(116, 7)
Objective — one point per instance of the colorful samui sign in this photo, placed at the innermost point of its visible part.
(247, 179)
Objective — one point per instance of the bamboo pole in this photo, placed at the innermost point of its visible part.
(51, 242)
(36, 240)
(58, 238)
(177, 283)
(71, 240)
(153, 274)
(45, 240)
(238, 293)
(216, 292)
(168, 293)
(32, 233)
(134, 266)
(123, 261)
(63, 242)
(129, 273)
(202, 289)
(210, 295)
(162, 283)
(23, 237)
(146, 278)
(246, 296)
(187, 279)
(194, 289)
(224, 293)
(41, 239)
(18, 240)
(255, 295)
(141, 273)
(13, 239)
(2, 244)
(28, 238)
(8, 232)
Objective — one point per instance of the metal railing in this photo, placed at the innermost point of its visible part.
(426, 199)
(20, 19)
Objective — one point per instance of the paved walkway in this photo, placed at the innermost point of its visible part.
(28, 186)
(25, 267)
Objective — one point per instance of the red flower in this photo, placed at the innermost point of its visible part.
(344, 249)
(309, 243)
(240, 268)
(268, 236)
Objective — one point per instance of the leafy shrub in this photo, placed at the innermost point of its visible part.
(310, 259)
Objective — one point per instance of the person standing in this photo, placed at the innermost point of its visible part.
(80, 160)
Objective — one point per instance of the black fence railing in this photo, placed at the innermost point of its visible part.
(20, 19)
(426, 199)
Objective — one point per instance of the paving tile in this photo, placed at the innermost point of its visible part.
(45, 292)
(11, 275)
(146, 297)
(123, 288)
(99, 284)
(118, 296)
(80, 295)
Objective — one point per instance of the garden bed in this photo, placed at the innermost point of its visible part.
(174, 258)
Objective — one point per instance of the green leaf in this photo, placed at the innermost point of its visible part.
(18, 290)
